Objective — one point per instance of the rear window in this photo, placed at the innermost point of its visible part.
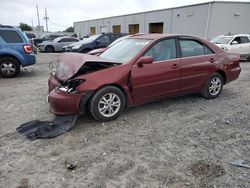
(10, 36)
(191, 48)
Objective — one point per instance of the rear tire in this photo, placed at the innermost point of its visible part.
(49, 49)
(107, 104)
(213, 86)
(9, 67)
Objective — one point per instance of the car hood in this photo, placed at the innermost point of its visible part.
(70, 63)
(96, 51)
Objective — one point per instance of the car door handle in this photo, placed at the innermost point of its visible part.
(175, 66)
(212, 60)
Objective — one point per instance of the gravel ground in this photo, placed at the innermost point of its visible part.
(184, 142)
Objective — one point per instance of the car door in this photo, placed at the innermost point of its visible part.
(245, 45)
(197, 61)
(162, 77)
(235, 45)
(64, 42)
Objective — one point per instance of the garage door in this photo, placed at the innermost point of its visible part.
(104, 29)
(133, 29)
(156, 27)
(92, 31)
(116, 28)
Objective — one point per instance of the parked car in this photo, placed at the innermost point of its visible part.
(239, 43)
(57, 44)
(137, 70)
(68, 47)
(30, 35)
(96, 41)
(15, 51)
(46, 37)
(101, 50)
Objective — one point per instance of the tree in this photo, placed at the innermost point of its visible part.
(69, 29)
(25, 27)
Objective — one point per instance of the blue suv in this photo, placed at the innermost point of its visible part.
(15, 51)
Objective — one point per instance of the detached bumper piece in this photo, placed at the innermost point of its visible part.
(47, 129)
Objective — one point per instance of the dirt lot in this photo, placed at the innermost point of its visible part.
(185, 142)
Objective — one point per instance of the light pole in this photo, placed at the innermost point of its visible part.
(46, 18)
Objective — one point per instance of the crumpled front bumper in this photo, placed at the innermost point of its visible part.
(62, 103)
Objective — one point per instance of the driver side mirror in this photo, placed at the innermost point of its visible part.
(144, 60)
(234, 42)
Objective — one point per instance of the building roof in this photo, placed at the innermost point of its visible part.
(191, 5)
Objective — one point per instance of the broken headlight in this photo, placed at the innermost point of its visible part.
(70, 86)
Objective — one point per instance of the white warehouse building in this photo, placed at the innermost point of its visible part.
(205, 20)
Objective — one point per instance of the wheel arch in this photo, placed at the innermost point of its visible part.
(85, 101)
(11, 56)
(223, 74)
(115, 85)
(49, 45)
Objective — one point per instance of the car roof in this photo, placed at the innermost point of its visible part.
(64, 37)
(157, 36)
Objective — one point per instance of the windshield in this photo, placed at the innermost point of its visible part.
(119, 39)
(221, 40)
(57, 39)
(90, 39)
(125, 50)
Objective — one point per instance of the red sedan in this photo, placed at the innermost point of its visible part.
(137, 70)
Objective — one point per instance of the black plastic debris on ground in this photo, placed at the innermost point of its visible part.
(47, 129)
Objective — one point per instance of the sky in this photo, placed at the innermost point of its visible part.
(62, 13)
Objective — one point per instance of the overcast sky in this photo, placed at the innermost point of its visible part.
(62, 13)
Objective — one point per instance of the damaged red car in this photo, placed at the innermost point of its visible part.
(138, 70)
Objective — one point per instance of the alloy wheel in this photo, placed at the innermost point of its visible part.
(109, 104)
(215, 86)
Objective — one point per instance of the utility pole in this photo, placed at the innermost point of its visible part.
(46, 19)
(38, 17)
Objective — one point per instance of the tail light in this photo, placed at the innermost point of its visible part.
(27, 48)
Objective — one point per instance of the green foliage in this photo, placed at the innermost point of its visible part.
(69, 29)
(25, 27)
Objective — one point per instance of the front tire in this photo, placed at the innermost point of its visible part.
(9, 67)
(49, 49)
(213, 86)
(107, 104)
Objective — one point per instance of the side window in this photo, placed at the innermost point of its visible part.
(104, 39)
(191, 48)
(73, 40)
(68, 40)
(237, 39)
(244, 39)
(63, 40)
(11, 36)
(163, 50)
(208, 50)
